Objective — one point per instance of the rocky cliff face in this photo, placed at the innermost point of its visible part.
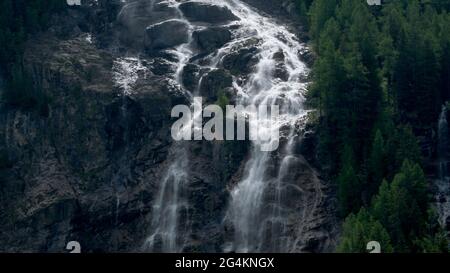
(89, 166)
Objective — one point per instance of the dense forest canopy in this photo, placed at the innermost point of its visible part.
(381, 77)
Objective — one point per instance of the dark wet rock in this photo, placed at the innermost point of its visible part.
(136, 16)
(280, 70)
(191, 76)
(214, 83)
(308, 57)
(207, 13)
(212, 38)
(285, 11)
(241, 61)
(308, 147)
(161, 66)
(279, 56)
(166, 35)
(91, 168)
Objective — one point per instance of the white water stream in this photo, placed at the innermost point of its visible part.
(261, 87)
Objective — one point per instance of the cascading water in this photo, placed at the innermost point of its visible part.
(443, 181)
(247, 208)
(168, 206)
(257, 205)
(170, 203)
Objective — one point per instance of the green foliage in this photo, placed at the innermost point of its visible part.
(360, 229)
(376, 165)
(435, 238)
(402, 206)
(400, 146)
(222, 100)
(347, 86)
(349, 188)
(435, 243)
(381, 76)
(320, 12)
(416, 81)
(399, 218)
(303, 8)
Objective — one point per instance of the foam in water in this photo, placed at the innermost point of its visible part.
(126, 73)
(167, 207)
(246, 210)
(247, 201)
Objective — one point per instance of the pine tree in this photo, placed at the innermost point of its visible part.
(321, 11)
(379, 79)
(359, 230)
(329, 88)
(402, 206)
(415, 78)
(349, 188)
(376, 168)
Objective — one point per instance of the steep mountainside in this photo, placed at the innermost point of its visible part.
(97, 164)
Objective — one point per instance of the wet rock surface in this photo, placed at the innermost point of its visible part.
(166, 35)
(215, 83)
(135, 17)
(212, 38)
(207, 13)
(91, 168)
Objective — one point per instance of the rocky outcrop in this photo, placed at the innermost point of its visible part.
(214, 83)
(135, 17)
(241, 62)
(277, 8)
(166, 35)
(207, 13)
(90, 167)
(88, 170)
(212, 38)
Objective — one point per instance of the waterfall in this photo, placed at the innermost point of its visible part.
(247, 209)
(257, 207)
(170, 203)
(443, 144)
(168, 206)
(443, 181)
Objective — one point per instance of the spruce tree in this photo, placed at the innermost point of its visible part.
(359, 230)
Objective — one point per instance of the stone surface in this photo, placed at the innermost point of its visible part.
(212, 38)
(166, 35)
(215, 82)
(207, 13)
(90, 168)
(135, 17)
(241, 61)
(93, 163)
